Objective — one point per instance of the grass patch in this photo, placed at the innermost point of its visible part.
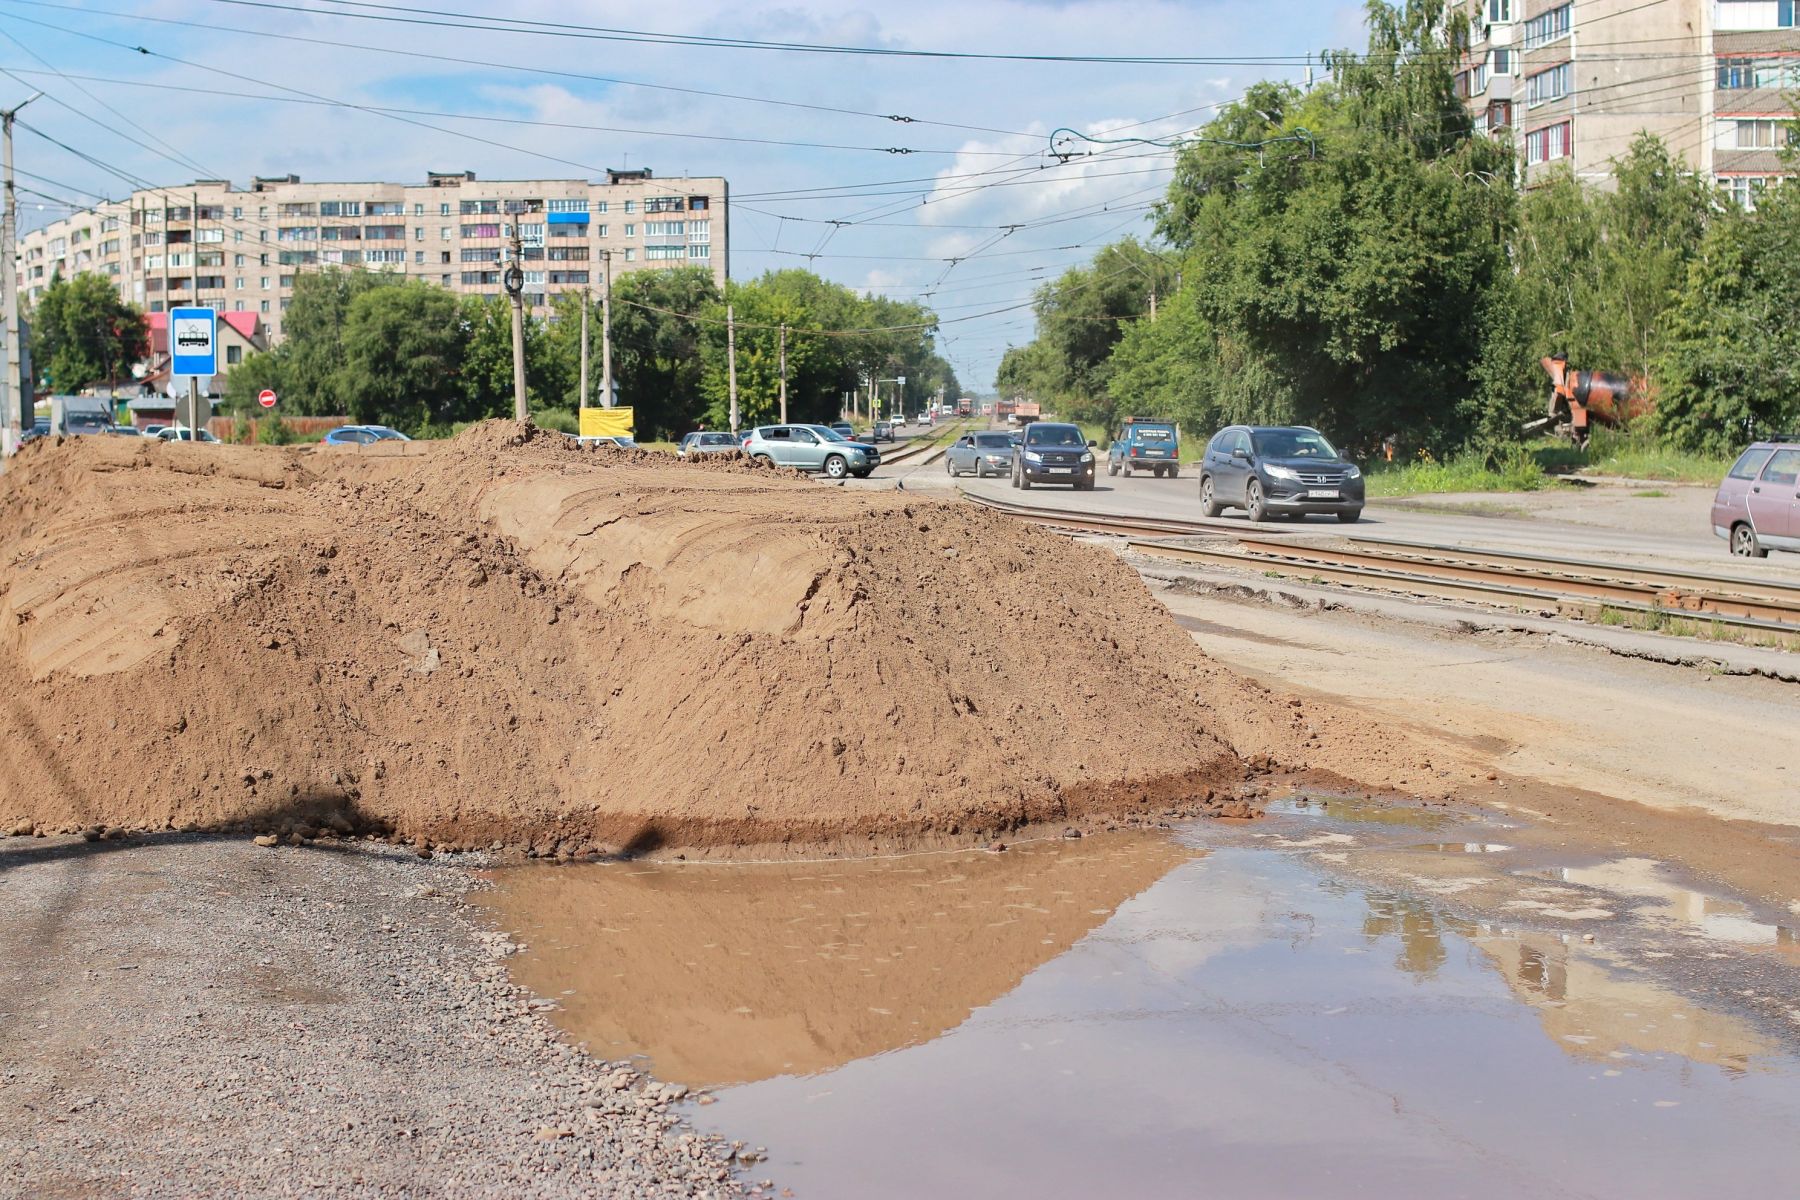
(1661, 620)
(1466, 472)
(1629, 456)
(1650, 494)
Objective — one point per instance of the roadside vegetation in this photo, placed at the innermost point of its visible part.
(1358, 257)
(388, 350)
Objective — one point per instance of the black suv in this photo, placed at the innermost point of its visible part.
(1287, 469)
(1051, 452)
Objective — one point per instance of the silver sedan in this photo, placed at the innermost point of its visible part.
(980, 455)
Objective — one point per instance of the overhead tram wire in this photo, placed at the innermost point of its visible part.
(485, 64)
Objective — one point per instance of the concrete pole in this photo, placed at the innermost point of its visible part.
(586, 303)
(521, 410)
(731, 362)
(784, 374)
(606, 378)
(12, 389)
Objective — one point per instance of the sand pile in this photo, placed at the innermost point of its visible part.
(509, 637)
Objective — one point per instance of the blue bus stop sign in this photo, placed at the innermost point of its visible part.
(193, 342)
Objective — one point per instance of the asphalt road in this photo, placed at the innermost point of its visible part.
(1594, 523)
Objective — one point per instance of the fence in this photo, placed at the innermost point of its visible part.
(241, 429)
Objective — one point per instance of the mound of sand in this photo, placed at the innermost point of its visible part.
(510, 637)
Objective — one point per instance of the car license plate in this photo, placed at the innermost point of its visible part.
(1322, 494)
(1062, 470)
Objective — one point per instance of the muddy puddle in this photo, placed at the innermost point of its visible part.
(1341, 999)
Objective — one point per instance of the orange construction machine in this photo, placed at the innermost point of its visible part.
(1577, 398)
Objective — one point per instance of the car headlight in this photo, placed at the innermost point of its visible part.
(1352, 472)
(1279, 472)
(1033, 456)
(1088, 457)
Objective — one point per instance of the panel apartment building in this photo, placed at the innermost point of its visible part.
(1572, 82)
(211, 245)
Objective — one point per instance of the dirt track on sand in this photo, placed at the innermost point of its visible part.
(511, 638)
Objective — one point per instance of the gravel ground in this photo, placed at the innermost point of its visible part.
(190, 1017)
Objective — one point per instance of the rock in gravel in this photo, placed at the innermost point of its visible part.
(266, 839)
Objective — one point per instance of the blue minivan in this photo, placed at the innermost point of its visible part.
(1153, 446)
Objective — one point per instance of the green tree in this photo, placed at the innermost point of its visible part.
(657, 337)
(487, 366)
(403, 356)
(313, 348)
(82, 333)
(1729, 370)
(259, 369)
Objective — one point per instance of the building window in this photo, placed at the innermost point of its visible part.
(237, 284)
(1754, 14)
(1549, 85)
(1506, 62)
(419, 258)
(665, 228)
(418, 233)
(1774, 72)
(264, 306)
(566, 206)
(699, 232)
(481, 231)
(630, 229)
(1499, 11)
(481, 254)
(443, 256)
(599, 206)
(600, 231)
(664, 204)
(1743, 190)
(630, 254)
(699, 252)
(653, 253)
(631, 206)
(1547, 144)
(234, 354)
(1545, 28)
(1759, 134)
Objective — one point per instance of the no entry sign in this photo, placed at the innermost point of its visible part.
(266, 398)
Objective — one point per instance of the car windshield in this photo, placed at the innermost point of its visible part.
(715, 439)
(998, 441)
(384, 433)
(1291, 443)
(1153, 433)
(1054, 435)
(827, 432)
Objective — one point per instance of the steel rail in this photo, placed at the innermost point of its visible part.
(1489, 576)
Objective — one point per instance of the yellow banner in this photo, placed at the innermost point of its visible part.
(606, 422)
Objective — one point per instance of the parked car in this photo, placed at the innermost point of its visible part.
(363, 435)
(1289, 470)
(38, 428)
(181, 433)
(979, 454)
(1758, 506)
(812, 448)
(123, 431)
(844, 429)
(1153, 446)
(706, 442)
(153, 430)
(1053, 452)
(881, 431)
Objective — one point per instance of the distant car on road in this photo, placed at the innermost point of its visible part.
(1757, 508)
(1289, 470)
(363, 435)
(702, 442)
(812, 448)
(1153, 446)
(844, 429)
(152, 430)
(979, 454)
(1053, 452)
(881, 431)
(181, 433)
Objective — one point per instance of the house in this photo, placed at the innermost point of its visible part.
(240, 334)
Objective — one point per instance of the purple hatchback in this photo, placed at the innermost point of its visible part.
(1758, 506)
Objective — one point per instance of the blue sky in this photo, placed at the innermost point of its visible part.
(979, 134)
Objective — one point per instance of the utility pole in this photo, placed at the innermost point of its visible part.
(13, 388)
(514, 281)
(784, 373)
(1153, 306)
(586, 303)
(731, 362)
(606, 379)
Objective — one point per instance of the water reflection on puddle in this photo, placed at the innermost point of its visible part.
(1131, 1017)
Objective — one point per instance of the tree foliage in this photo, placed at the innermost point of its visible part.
(82, 333)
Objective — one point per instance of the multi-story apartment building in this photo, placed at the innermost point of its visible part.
(1572, 82)
(239, 250)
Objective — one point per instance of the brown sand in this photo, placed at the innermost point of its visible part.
(510, 637)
